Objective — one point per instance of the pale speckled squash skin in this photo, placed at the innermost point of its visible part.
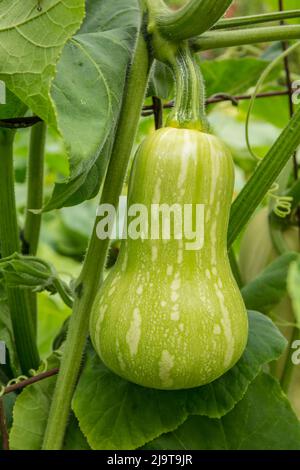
(165, 317)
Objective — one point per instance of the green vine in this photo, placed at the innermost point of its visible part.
(94, 264)
(256, 19)
(191, 20)
(240, 37)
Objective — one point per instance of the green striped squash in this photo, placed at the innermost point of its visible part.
(167, 317)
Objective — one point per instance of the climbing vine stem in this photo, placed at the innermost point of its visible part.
(91, 275)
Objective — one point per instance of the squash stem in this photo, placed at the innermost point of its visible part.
(94, 264)
(189, 110)
(10, 243)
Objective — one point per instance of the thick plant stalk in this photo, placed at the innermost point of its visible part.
(191, 20)
(9, 240)
(256, 19)
(241, 37)
(263, 178)
(94, 263)
(35, 188)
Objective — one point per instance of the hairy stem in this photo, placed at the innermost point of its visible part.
(94, 263)
(189, 110)
(23, 327)
(219, 39)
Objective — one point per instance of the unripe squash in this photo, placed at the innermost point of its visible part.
(167, 317)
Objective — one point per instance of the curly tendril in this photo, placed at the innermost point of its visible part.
(32, 373)
(283, 204)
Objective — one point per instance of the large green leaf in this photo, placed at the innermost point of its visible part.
(30, 417)
(88, 91)
(268, 289)
(31, 411)
(32, 39)
(75, 440)
(263, 420)
(84, 186)
(116, 414)
(8, 401)
(105, 15)
(232, 76)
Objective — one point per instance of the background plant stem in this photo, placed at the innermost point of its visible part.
(35, 186)
(240, 37)
(256, 19)
(94, 263)
(9, 241)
